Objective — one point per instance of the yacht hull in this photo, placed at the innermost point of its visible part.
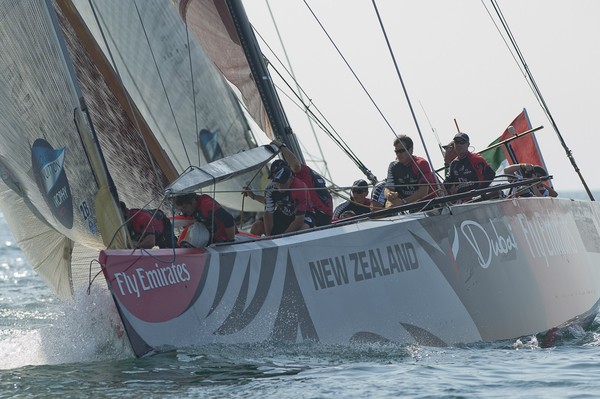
(478, 272)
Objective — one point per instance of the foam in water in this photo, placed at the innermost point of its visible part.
(86, 329)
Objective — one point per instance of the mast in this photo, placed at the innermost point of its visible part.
(262, 78)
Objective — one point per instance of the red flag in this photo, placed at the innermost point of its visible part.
(524, 149)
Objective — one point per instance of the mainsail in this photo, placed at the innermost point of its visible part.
(212, 25)
(190, 108)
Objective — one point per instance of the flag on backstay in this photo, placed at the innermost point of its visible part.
(521, 150)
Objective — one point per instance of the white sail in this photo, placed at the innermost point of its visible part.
(188, 105)
(50, 187)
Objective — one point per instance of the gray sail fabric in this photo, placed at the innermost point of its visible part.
(48, 251)
(191, 109)
(138, 177)
(212, 25)
(50, 192)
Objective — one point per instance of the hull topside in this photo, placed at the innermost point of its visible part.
(488, 271)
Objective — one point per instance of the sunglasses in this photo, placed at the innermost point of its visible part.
(359, 191)
(400, 151)
(460, 141)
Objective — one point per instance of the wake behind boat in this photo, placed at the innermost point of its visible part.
(98, 122)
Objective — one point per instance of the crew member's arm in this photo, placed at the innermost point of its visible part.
(302, 203)
(419, 194)
(297, 224)
(269, 209)
(449, 182)
(488, 175)
(540, 188)
(551, 191)
(390, 193)
(392, 197)
(145, 225)
(523, 167)
(147, 242)
(249, 193)
(288, 156)
(230, 232)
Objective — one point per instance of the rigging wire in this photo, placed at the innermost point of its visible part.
(326, 126)
(412, 112)
(293, 75)
(332, 133)
(433, 130)
(351, 69)
(343, 146)
(187, 37)
(537, 92)
(162, 82)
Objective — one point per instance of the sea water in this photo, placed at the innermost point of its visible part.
(75, 349)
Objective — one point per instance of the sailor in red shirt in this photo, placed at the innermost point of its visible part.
(147, 228)
(320, 198)
(207, 211)
(293, 202)
(468, 171)
(409, 177)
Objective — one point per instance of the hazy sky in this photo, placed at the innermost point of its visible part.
(454, 64)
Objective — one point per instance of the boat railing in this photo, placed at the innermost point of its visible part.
(490, 193)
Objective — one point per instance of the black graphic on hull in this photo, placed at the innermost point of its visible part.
(241, 316)
(293, 313)
(226, 262)
(202, 283)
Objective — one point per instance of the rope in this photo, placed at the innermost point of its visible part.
(536, 91)
(326, 126)
(350, 68)
(412, 112)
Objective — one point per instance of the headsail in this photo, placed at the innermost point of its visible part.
(51, 181)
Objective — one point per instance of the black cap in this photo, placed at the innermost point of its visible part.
(282, 175)
(276, 164)
(538, 170)
(461, 136)
(360, 183)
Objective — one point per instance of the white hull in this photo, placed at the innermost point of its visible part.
(487, 271)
